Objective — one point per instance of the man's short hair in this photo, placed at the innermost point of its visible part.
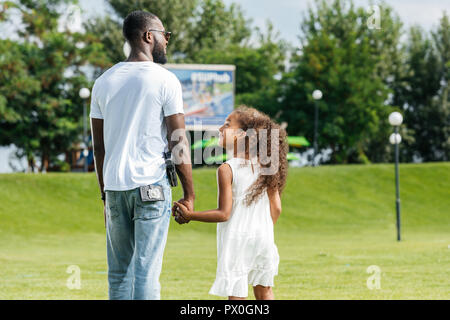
(136, 23)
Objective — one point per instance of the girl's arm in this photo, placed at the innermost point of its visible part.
(222, 213)
(275, 204)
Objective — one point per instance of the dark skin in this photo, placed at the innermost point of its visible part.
(142, 51)
(99, 155)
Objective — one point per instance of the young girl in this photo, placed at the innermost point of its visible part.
(248, 206)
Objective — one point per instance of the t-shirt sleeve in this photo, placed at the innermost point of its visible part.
(96, 112)
(173, 96)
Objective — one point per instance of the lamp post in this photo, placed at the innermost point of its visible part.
(396, 119)
(317, 95)
(84, 94)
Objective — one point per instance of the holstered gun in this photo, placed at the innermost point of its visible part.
(170, 169)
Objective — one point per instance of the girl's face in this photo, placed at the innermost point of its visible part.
(229, 132)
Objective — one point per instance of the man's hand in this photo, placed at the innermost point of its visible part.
(183, 214)
(181, 218)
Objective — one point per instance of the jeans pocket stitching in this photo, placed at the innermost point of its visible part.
(150, 210)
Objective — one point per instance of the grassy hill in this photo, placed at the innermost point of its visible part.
(336, 222)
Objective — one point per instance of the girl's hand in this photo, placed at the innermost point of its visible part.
(183, 211)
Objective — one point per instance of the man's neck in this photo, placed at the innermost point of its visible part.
(136, 56)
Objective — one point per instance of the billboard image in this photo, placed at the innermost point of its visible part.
(208, 93)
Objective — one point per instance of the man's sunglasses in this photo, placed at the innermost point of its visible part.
(167, 34)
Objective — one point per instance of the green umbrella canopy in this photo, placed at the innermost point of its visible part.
(294, 141)
(297, 141)
(292, 156)
(213, 142)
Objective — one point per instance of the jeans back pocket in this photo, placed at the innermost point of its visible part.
(149, 209)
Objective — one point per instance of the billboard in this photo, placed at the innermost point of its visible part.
(208, 93)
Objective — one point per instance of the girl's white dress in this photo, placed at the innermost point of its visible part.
(246, 251)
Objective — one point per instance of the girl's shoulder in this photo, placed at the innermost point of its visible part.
(224, 167)
(231, 166)
(241, 169)
(225, 172)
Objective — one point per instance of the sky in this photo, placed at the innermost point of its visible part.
(286, 16)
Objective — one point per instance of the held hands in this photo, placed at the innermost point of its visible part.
(181, 210)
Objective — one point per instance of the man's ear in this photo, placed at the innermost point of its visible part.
(148, 37)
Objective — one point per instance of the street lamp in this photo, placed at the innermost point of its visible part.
(317, 95)
(396, 119)
(84, 94)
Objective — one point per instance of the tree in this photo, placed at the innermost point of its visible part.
(198, 26)
(109, 33)
(256, 68)
(17, 86)
(351, 64)
(215, 28)
(207, 32)
(41, 75)
(441, 38)
(175, 14)
(423, 93)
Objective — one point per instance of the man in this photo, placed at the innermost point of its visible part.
(136, 106)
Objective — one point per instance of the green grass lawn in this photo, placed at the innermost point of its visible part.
(336, 222)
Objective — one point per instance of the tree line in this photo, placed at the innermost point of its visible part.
(364, 72)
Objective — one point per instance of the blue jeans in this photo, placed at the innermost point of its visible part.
(136, 234)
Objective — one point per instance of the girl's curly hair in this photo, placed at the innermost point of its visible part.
(250, 118)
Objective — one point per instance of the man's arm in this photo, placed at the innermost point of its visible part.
(179, 146)
(99, 151)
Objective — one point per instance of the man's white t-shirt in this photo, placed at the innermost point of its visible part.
(133, 98)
